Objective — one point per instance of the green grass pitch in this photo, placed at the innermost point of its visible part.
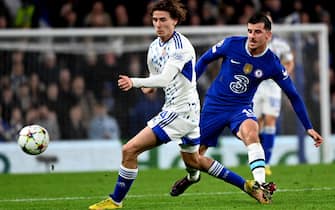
(299, 187)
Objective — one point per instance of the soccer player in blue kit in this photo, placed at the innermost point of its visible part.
(246, 62)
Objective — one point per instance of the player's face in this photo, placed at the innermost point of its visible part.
(163, 23)
(258, 38)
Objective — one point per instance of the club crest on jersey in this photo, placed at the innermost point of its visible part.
(258, 73)
(247, 68)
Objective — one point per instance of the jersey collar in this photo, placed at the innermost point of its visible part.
(259, 55)
(161, 44)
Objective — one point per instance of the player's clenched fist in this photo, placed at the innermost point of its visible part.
(124, 83)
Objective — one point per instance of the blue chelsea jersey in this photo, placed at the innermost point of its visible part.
(240, 72)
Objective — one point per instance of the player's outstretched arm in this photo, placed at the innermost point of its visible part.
(316, 137)
(124, 83)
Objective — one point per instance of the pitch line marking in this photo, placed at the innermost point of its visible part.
(154, 195)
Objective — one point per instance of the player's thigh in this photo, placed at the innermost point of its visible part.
(244, 124)
(144, 140)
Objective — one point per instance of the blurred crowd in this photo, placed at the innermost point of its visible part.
(82, 101)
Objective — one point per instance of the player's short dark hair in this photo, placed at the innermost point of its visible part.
(261, 18)
(176, 9)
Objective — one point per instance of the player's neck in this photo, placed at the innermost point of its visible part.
(257, 51)
(164, 39)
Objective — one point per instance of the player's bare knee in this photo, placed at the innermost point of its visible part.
(128, 152)
(251, 137)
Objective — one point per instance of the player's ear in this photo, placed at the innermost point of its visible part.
(175, 22)
(269, 35)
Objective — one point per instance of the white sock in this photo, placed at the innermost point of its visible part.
(257, 161)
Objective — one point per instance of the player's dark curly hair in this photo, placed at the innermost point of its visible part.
(176, 9)
(261, 18)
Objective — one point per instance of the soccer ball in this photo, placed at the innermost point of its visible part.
(33, 139)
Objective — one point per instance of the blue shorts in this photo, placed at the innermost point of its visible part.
(213, 123)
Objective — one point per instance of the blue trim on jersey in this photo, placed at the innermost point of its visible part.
(188, 141)
(161, 44)
(161, 135)
(177, 41)
(188, 70)
(260, 163)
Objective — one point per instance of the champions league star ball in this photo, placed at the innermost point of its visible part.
(33, 139)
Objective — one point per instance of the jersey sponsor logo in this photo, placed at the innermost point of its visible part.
(240, 85)
(234, 61)
(247, 68)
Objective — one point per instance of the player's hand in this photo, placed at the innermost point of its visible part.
(124, 83)
(316, 137)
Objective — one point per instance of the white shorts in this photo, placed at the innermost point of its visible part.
(172, 126)
(267, 100)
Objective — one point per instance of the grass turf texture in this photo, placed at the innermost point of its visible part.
(299, 187)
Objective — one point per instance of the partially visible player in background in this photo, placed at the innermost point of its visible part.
(267, 99)
(171, 63)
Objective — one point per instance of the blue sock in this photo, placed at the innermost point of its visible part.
(267, 140)
(125, 180)
(219, 171)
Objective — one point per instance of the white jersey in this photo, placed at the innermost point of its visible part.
(281, 48)
(175, 60)
(267, 99)
(181, 90)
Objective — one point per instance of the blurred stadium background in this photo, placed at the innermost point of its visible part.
(60, 61)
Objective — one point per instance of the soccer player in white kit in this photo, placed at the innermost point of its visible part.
(267, 100)
(171, 63)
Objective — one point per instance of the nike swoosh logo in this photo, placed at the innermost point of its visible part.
(234, 62)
